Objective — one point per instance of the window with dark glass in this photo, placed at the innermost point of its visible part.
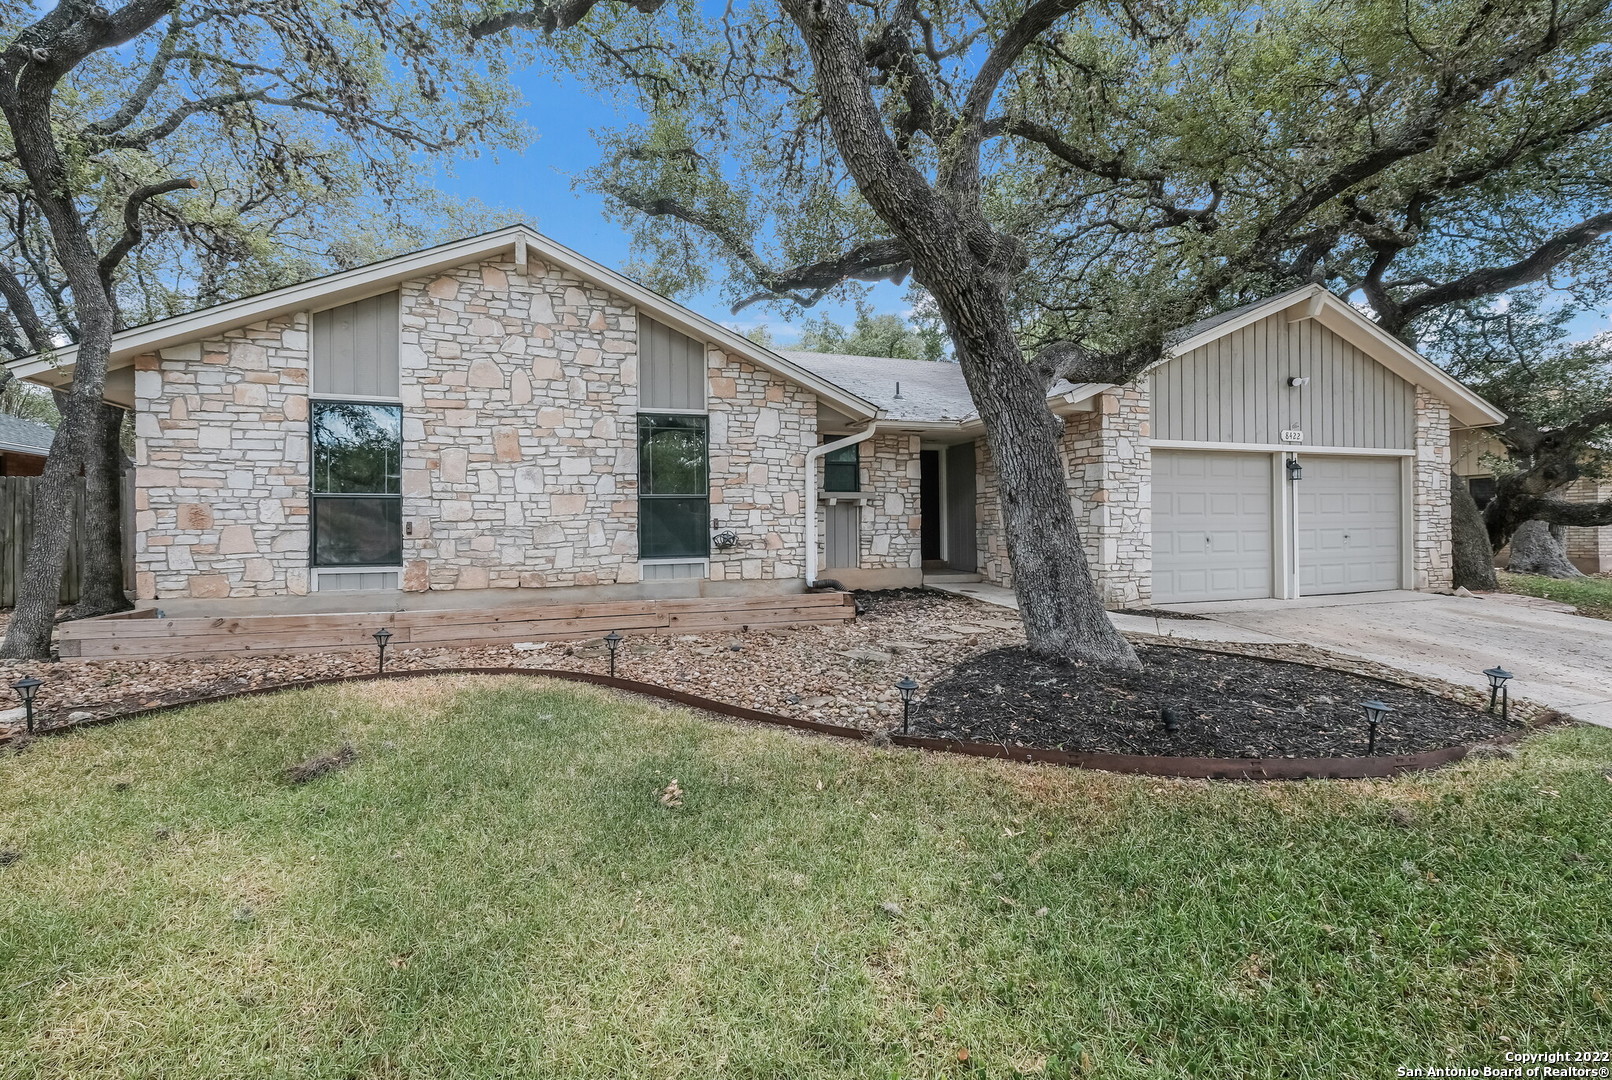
(674, 502)
(357, 484)
(842, 469)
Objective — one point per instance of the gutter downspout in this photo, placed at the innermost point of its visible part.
(812, 457)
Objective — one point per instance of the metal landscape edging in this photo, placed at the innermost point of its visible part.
(1196, 768)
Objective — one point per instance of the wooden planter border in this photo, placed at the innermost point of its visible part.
(1198, 768)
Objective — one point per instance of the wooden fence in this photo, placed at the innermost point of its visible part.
(17, 525)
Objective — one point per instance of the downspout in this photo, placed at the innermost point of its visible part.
(812, 457)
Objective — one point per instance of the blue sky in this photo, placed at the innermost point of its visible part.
(535, 186)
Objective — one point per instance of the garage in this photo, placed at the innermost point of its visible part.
(1212, 520)
(1349, 528)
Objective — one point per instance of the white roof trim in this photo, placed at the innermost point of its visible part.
(349, 285)
(1466, 407)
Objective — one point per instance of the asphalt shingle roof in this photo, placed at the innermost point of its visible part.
(26, 436)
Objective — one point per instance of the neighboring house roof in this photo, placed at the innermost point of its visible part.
(19, 436)
(350, 285)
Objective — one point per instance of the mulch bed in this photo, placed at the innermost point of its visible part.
(1227, 706)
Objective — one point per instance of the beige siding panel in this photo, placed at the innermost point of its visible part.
(842, 527)
(1234, 390)
(355, 348)
(671, 368)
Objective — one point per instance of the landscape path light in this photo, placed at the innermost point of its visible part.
(382, 636)
(612, 642)
(1498, 676)
(1376, 713)
(908, 685)
(27, 688)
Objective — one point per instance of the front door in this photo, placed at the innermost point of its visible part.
(960, 550)
(929, 504)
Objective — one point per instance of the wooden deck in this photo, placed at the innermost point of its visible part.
(141, 635)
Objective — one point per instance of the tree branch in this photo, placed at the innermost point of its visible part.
(550, 17)
(131, 225)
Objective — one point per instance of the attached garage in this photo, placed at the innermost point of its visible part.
(1350, 531)
(1212, 526)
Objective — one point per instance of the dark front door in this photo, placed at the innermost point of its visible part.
(960, 551)
(929, 503)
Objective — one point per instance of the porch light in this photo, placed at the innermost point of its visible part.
(612, 642)
(1376, 713)
(908, 686)
(1295, 471)
(381, 636)
(1497, 690)
(26, 689)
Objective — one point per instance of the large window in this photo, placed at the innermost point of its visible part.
(674, 501)
(842, 468)
(357, 484)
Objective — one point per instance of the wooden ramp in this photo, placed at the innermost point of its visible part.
(142, 636)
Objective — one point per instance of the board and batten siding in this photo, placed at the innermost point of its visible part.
(671, 369)
(1234, 390)
(355, 349)
(842, 535)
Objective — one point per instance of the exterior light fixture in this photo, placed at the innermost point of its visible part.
(908, 685)
(1299, 380)
(1376, 713)
(26, 689)
(1497, 690)
(381, 636)
(1295, 471)
(612, 642)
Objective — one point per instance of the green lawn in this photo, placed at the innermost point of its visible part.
(1591, 595)
(495, 890)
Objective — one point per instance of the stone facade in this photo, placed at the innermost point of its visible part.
(1589, 549)
(519, 397)
(1432, 563)
(1109, 472)
(892, 523)
(221, 465)
(761, 428)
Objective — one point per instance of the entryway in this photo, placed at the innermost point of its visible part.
(946, 502)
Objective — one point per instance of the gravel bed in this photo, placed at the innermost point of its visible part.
(842, 674)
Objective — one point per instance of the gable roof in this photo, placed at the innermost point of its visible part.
(1467, 408)
(348, 285)
(21, 436)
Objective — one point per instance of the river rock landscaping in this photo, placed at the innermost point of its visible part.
(840, 674)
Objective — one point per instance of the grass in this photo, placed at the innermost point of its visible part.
(1591, 595)
(494, 889)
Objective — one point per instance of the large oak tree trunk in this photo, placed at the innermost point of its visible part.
(101, 585)
(1471, 555)
(1538, 548)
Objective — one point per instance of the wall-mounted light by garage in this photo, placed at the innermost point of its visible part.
(1295, 471)
(1299, 380)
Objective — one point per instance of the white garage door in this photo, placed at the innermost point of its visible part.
(1348, 525)
(1211, 526)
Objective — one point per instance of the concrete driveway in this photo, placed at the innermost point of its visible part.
(1559, 659)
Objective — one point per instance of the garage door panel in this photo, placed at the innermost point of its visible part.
(1211, 526)
(1349, 528)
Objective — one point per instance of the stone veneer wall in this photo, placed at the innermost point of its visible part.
(221, 465)
(892, 519)
(1590, 549)
(761, 428)
(1431, 560)
(1109, 470)
(519, 440)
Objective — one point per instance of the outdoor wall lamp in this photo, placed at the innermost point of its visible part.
(1299, 380)
(908, 685)
(1295, 471)
(1497, 690)
(1376, 713)
(26, 689)
(381, 636)
(612, 642)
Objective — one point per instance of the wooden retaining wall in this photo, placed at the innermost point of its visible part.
(140, 635)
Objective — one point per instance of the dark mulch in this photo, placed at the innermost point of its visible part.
(1160, 613)
(1227, 706)
(315, 767)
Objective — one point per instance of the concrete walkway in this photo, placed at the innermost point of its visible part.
(1559, 659)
